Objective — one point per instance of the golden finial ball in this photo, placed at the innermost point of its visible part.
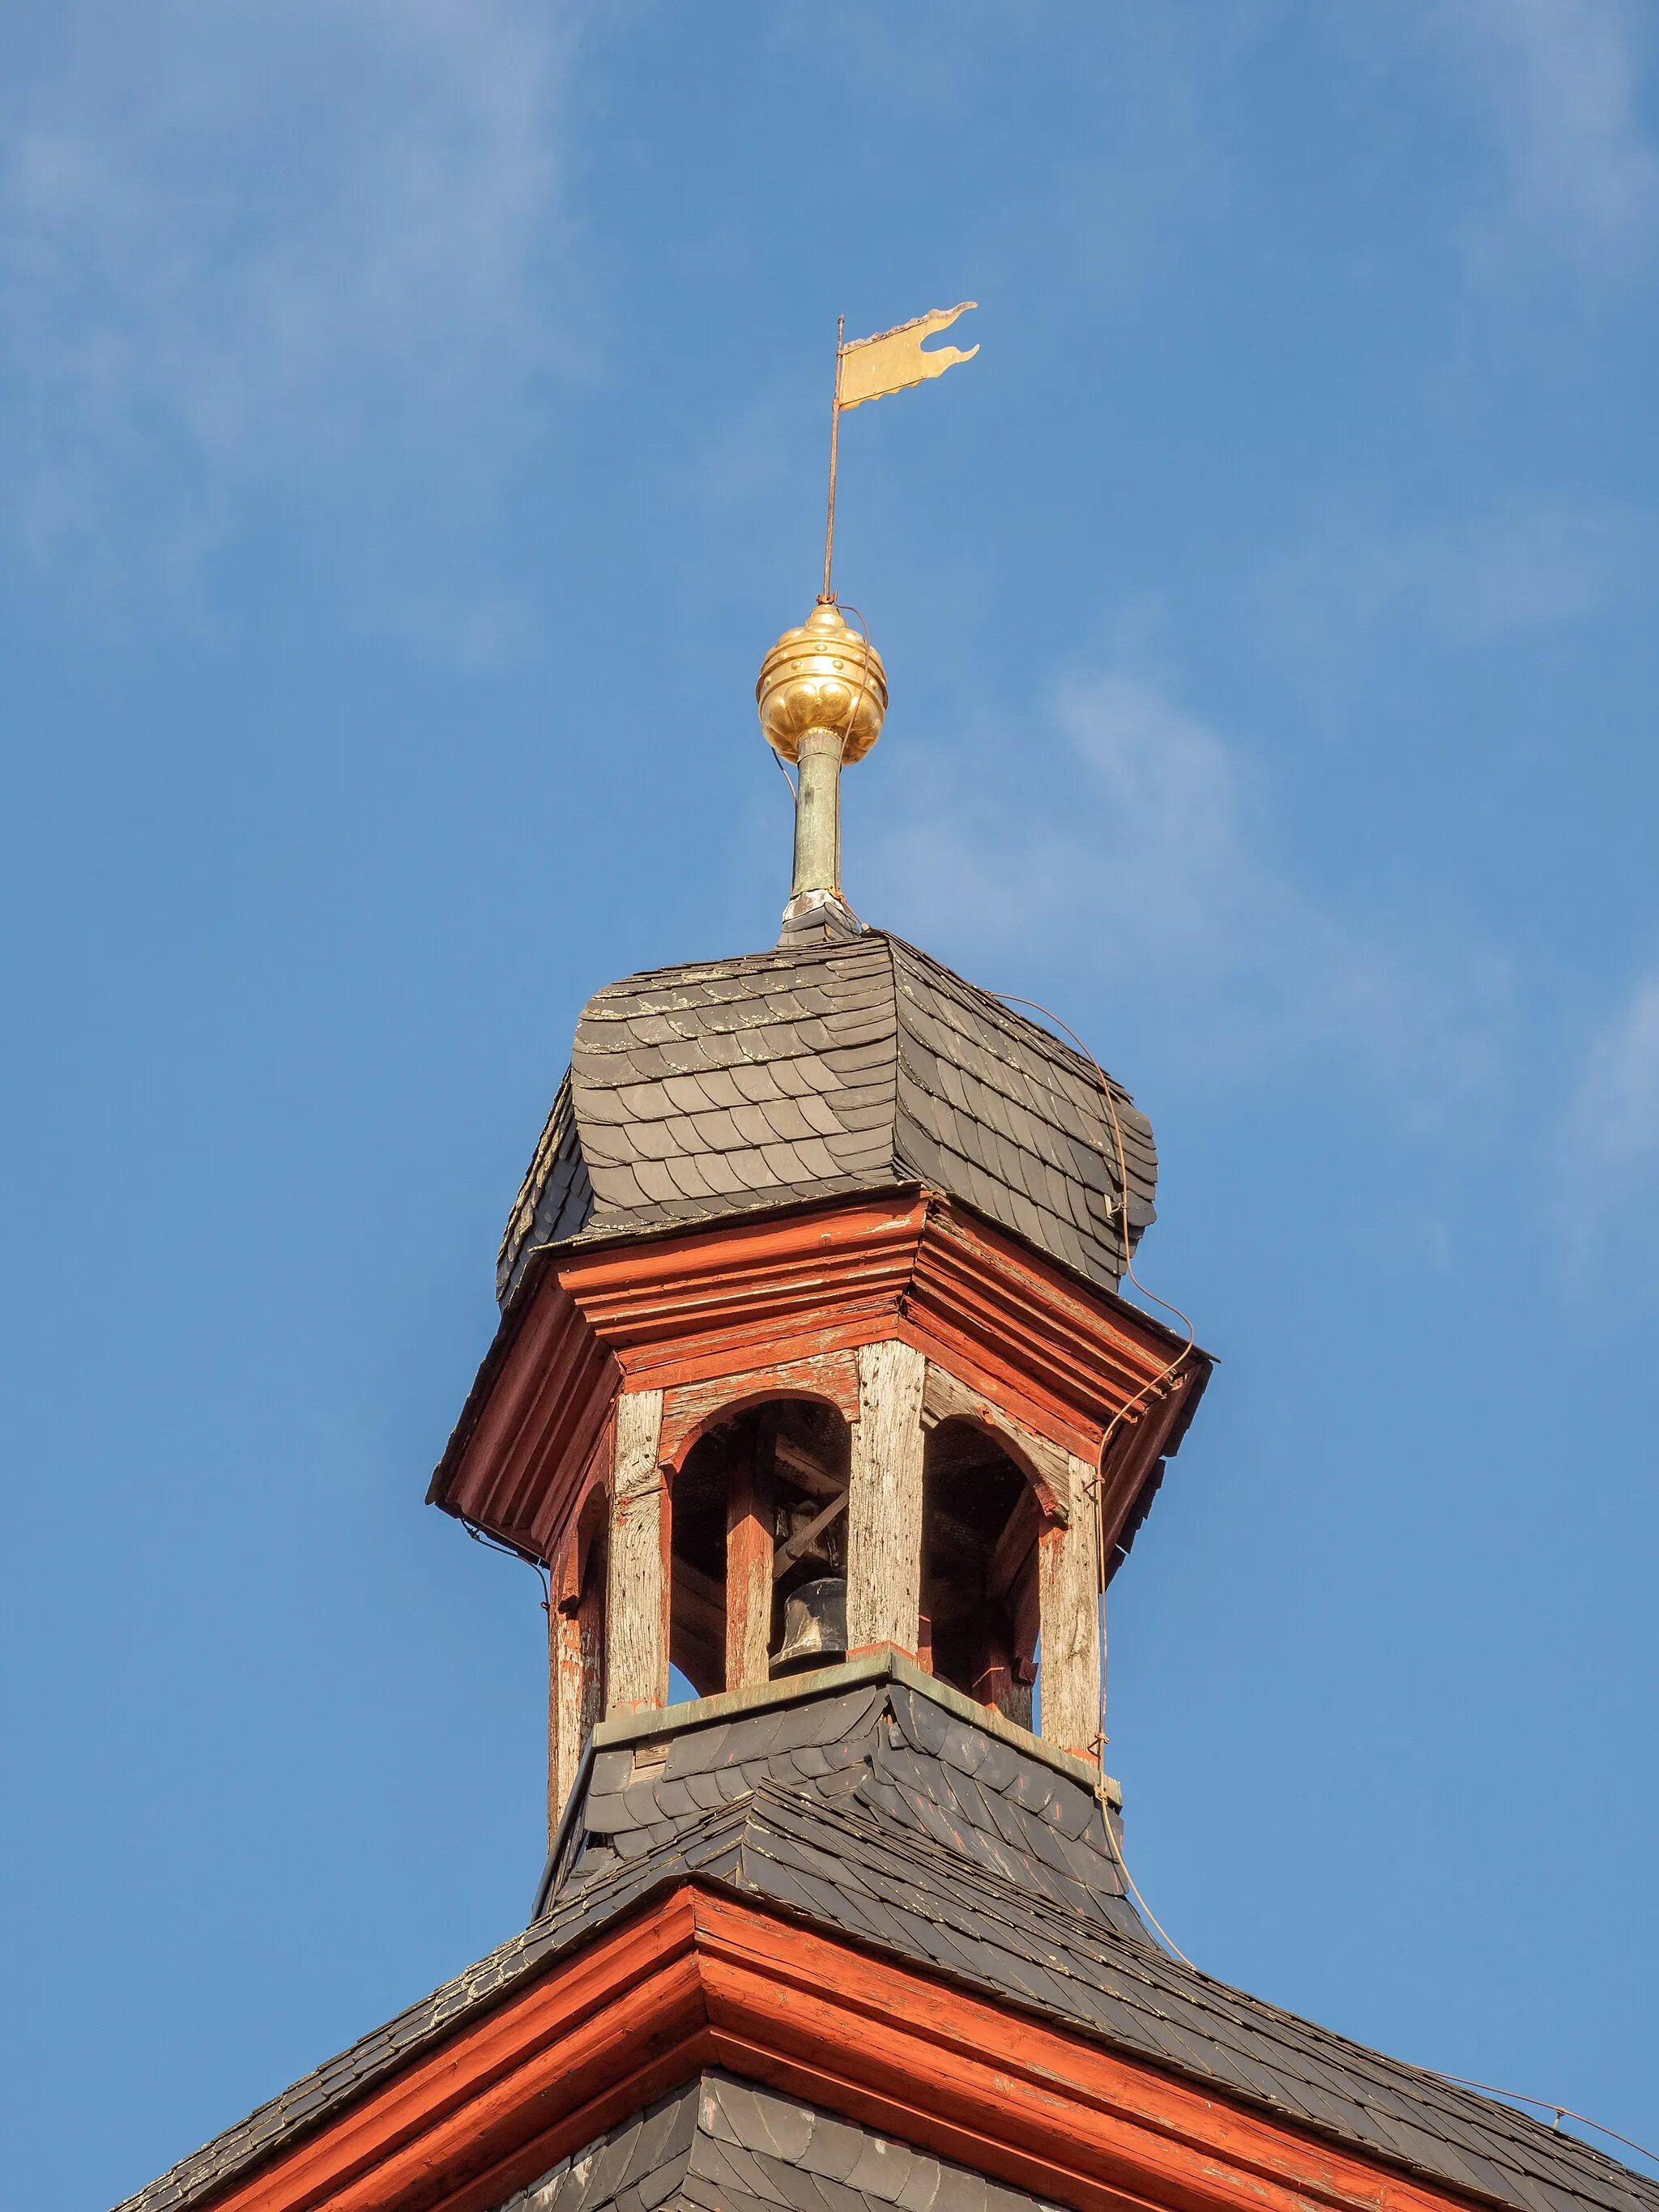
(823, 676)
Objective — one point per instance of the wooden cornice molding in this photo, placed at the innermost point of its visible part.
(775, 1297)
(515, 1463)
(699, 1978)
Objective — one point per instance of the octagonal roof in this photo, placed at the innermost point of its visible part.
(823, 1067)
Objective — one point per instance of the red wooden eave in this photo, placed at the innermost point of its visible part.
(1074, 1363)
(700, 1979)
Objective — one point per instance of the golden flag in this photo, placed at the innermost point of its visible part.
(892, 360)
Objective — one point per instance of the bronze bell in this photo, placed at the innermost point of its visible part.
(814, 1627)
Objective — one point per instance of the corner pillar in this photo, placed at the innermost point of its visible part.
(636, 1616)
(884, 1507)
(575, 1633)
(1068, 1598)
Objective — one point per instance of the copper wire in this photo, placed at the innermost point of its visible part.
(1561, 2112)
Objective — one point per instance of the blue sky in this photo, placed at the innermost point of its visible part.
(412, 424)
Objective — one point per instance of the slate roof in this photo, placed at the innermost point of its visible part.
(728, 2145)
(911, 1761)
(824, 1067)
(875, 1811)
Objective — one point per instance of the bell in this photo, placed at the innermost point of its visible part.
(814, 1627)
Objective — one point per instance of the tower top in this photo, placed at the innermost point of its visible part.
(823, 676)
(823, 697)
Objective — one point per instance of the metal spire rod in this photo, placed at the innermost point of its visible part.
(826, 594)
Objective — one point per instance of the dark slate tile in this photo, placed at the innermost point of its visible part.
(758, 2119)
(717, 2154)
(1083, 1865)
(988, 1851)
(607, 2172)
(959, 2190)
(606, 1815)
(1007, 1820)
(960, 1746)
(1072, 1809)
(921, 2190)
(720, 2196)
(841, 2195)
(853, 1749)
(723, 2175)
(1034, 1789)
(969, 1801)
(665, 2135)
(833, 2147)
(844, 1718)
(905, 1771)
(789, 2186)
(752, 1738)
(695, 1752)
(881, 2170)
(844, 1782)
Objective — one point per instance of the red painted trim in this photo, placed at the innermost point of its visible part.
(542, 1418)
(702, 1978)
(691, 1409)
(720, 1304)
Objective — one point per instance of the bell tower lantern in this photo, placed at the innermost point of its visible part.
(810, 1342)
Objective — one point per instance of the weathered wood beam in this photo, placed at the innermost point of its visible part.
(802, 1467)
(883, 1528)
(749, 1563)
(636, 1624)
(1068, 1592)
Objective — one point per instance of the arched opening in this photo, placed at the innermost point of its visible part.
(759, 1510)
(980, 1525)
(586, 1599)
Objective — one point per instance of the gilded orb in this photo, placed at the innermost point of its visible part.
(822, 677)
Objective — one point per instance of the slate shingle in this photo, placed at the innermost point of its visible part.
(818, 1068)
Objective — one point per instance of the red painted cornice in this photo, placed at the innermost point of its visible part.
(702, 1978)
(760, 1293)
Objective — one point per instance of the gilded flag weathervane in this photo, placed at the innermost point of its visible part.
(870, 368)
(823, 689)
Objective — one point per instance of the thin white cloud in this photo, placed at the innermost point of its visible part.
(239, 243)
(1611, 1139)
(1470, 580)
(1153, 858)
(1560, 82)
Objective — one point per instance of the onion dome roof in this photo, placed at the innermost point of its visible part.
(824, 1067)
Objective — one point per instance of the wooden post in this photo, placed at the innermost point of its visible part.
(1068, 1596)
(564, 1700)
(749, 1562)
(883, 1510)
(636, 1624)
(575, 1651)
(571, 1718)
